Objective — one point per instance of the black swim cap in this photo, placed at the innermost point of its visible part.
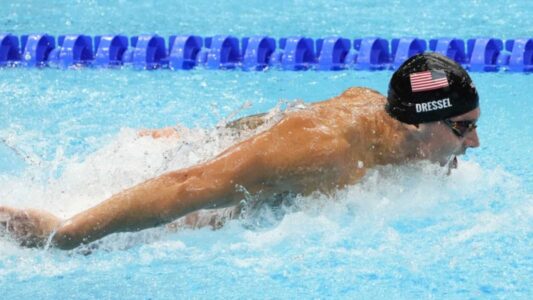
(430, 87)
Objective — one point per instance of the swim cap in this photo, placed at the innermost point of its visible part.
(430, 87)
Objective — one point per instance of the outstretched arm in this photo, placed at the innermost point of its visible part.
(151, 203)
(164, 199)
(269, 162)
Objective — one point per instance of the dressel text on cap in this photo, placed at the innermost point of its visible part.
(433, 105)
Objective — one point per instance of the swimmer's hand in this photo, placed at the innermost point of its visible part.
(167, 132)
(29, 227)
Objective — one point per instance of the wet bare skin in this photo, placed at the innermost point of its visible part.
(31, 227)
(323, 147)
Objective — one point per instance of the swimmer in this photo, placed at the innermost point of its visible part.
(430, 114)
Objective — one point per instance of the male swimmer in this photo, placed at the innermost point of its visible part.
(430, 114)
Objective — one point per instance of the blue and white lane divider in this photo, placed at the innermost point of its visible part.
(184, 52)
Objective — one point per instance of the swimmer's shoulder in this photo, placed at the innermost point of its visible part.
(361, 93)
(359, 96)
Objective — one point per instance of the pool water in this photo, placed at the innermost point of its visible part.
(68, 140)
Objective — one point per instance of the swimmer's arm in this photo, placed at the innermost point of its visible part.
(269, 161)
(170, 196)
(160, 200)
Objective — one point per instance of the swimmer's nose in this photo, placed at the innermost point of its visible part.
(472, 139)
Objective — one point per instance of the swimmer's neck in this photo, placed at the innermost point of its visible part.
(411, 144)
(388, 141)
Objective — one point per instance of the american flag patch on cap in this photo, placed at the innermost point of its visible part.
(428, 80)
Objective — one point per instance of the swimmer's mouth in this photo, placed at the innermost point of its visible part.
(452, 164)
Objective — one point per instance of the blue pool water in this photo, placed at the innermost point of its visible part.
(70, 141)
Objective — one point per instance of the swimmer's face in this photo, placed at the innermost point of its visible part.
(442, 142)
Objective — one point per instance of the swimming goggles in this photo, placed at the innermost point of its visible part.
(461, 128)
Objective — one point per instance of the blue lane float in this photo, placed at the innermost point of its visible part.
(72, 51)
(521, 55)
(257, 53)
(183, 51)
(222, 52)
(483, 54)
(36, 48)
(9, 49)
(332, 53)
(110, 50)
(372, 54)
(296, 53)
(404, 48)
(147, 52)
(450, 47)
